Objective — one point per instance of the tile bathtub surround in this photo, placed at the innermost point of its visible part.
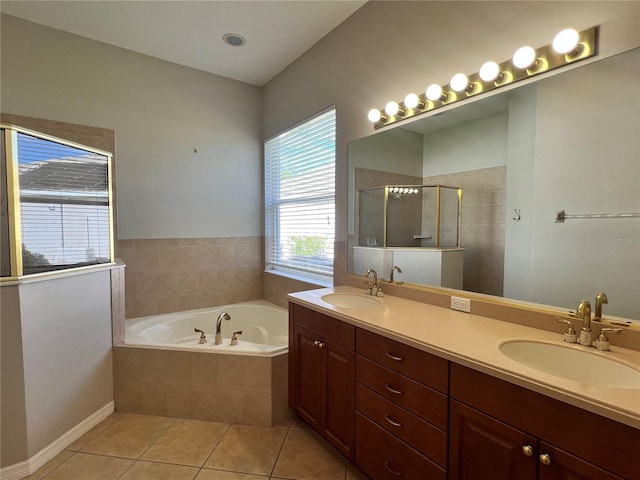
(141, 447)
(205, 386)
(171, 275)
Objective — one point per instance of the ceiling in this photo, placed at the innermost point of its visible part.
(190, 33)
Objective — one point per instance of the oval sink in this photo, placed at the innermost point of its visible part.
(572, 364)
(351, 300)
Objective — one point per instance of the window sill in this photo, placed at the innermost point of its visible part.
(70, 272)
(301, 278)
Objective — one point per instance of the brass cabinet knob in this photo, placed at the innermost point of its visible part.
(545, 459)
(527, 450)
(316, 343)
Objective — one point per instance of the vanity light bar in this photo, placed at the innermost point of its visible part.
(568, 47)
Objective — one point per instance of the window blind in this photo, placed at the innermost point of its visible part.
(64, 205)
(300, 198)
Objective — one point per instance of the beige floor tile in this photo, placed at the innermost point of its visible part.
(306, 456)
(206, 474)
(248, 449)
(50, 465)
(129, 437)
(82, 466)
(95, 431)
(159, 471)
(186, 442)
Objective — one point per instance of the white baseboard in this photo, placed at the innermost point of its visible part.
(23, 469)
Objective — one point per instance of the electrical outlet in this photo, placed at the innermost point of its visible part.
(462, 304)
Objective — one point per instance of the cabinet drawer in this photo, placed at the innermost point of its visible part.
(416, 364)
(326, 327)
(384, 457)
(421, 435)
(415, 397)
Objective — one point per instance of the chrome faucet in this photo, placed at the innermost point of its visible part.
(222, 316)
(584, 311)
(600, 299)
(373, 288)
(394, 269)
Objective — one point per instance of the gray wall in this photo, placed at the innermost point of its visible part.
(160, 112)
(13, 441)
(56, 359)
(387, 49)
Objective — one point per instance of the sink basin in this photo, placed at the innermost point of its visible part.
(573, 364)
(351, 300)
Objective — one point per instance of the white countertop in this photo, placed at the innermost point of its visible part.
(473, 341)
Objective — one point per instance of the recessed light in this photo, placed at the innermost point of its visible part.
(234, 39)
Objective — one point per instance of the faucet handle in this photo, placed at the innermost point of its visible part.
(602, 342)
(570, 335)
(234, 338)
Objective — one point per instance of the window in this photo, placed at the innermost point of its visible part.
(300, 198)
(59, 209)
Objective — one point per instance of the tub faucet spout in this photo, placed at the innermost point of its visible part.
(222, 316)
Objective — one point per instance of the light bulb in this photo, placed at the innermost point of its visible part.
(459, 82)
(524, 57)
(566, 41)
(374, 115)
(434, 92)
(489, 71)
(392, 108)
(411, 101)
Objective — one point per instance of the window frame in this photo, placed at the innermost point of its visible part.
(272, 216)
(14, 203)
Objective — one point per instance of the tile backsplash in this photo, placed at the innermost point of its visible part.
(171, 275)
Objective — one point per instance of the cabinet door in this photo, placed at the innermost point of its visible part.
(560, 465)
(308, 373)
(340, 378)
(483, 448)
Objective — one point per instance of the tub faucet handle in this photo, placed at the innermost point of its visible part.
(234, 338)
(203, 337)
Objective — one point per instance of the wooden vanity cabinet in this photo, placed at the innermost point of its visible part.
(487, 439)
(401, 410)
(322, 375)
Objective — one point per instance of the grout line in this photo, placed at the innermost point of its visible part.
(216, 445)
(273, 469)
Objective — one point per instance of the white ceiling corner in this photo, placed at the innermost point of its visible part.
(190, 32)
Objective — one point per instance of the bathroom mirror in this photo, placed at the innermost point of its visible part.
(567, 143)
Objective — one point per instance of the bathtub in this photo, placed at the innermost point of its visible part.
(264, 329)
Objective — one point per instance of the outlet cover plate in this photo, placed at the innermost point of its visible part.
(461, 304)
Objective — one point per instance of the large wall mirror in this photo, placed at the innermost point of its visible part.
(569, 142)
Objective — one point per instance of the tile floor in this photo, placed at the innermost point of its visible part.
(144, 447)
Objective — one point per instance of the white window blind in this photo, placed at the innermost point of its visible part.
(64, 205)
(300, 198)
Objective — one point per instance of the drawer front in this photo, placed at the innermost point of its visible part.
(416, 364)
(421, 435)
(384, 457)
(326, 327)
(415, 397)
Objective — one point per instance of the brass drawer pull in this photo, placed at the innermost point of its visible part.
(392, 421)
(545, 459)
(397, 473)
(397, 391)
(394, 357)
(318, 344)
(527, 450)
